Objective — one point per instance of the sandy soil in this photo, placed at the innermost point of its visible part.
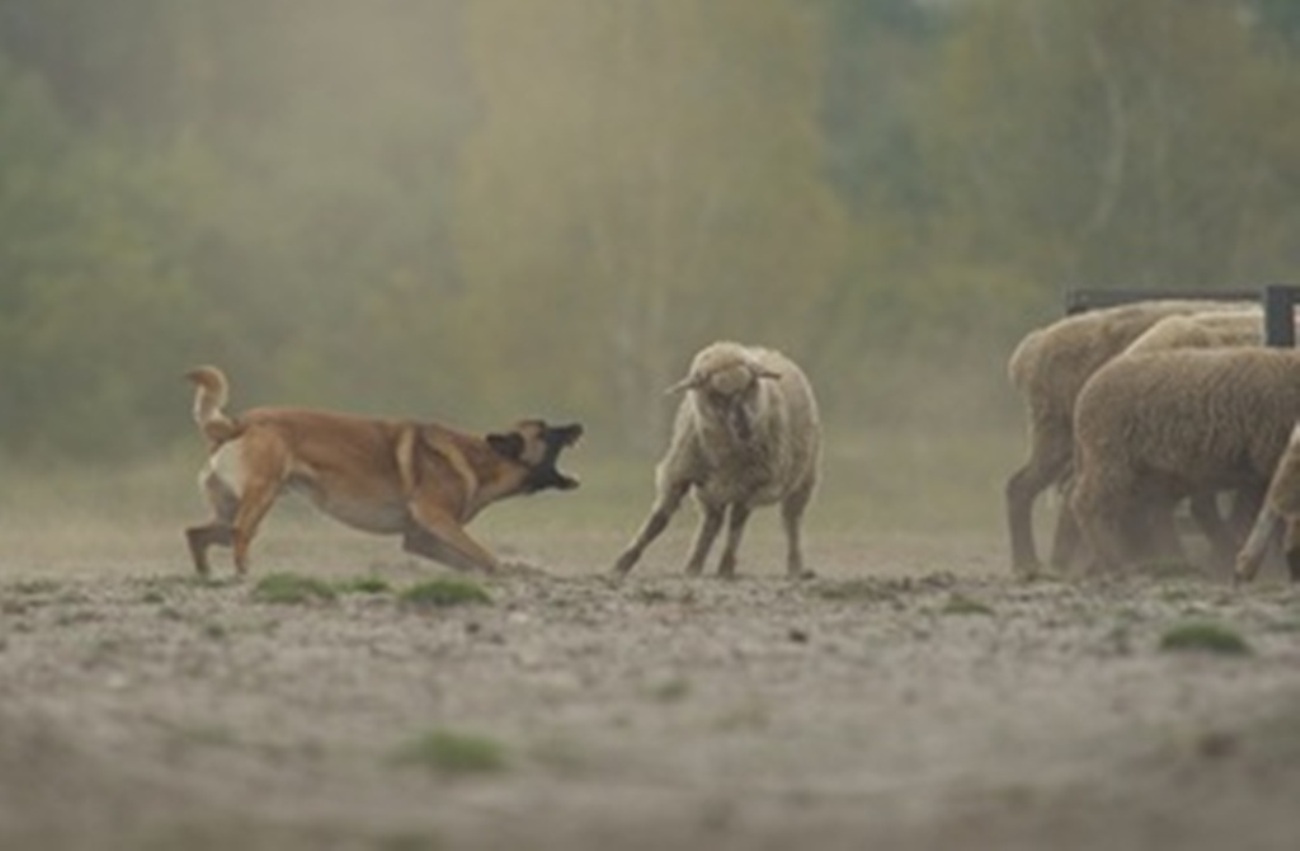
(912, 697)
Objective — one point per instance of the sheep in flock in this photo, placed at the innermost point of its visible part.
(1151, 429)
(747, 434)
(1048, 369)
(1213, 329)
(1206, 330)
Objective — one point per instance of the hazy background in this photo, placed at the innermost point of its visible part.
(475, 210)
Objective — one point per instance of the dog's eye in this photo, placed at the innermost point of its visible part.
(509, 445)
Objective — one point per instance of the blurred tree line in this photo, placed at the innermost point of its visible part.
(474, 210)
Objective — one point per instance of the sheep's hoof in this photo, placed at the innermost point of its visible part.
(1027, 571)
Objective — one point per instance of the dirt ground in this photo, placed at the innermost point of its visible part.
(911, 697)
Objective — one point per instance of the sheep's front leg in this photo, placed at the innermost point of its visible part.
(705, 534)
(665, 506)
(1101, 515)
(735, 531)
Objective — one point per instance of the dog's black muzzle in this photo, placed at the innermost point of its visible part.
(546, 474)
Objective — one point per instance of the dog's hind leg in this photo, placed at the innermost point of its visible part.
(259, 496)
(266, 462)
(202, 537)
(219, 531)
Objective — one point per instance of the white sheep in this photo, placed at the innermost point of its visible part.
(1218, 328)
(747, 434)
(1153, 428)
(1048, 369)
(1205, 330)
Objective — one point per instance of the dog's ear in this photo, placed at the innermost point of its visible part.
(510, 445)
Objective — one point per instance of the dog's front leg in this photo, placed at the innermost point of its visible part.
(421, 542)
(440, 537)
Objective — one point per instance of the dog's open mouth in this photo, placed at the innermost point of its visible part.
(564, 437)
(567, 435)
(546, 474)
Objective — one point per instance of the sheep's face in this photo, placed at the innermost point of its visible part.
(731, 396)
(726, 383)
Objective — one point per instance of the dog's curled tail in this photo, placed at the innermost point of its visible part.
(211, 392)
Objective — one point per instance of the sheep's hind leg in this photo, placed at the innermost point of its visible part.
(792, 509)
(1067, 540)
(1049, 462)
(1101, 518)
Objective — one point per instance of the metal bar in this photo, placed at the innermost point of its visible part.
(1079, 300)
(1279, 314)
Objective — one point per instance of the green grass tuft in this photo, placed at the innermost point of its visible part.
(365, 585)
(1204, 636)
(671, 690)
(854, 590)
(960, 604)
(292, 589)
(442, 593)
(447, 752)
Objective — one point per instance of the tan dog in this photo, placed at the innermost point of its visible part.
(422, 481)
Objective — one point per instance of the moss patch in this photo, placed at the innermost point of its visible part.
(1206, 637)
(442, 593)
(292, 589)
(447, 752)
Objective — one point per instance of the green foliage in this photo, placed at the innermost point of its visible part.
(479, 210)
(646, 166)
(448, 752)
(443, 593)
(292, 589)
(1206, 637)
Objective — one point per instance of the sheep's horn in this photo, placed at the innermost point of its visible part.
(690, 382)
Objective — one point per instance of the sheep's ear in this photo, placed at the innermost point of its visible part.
(690, 382)
(766, 373)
